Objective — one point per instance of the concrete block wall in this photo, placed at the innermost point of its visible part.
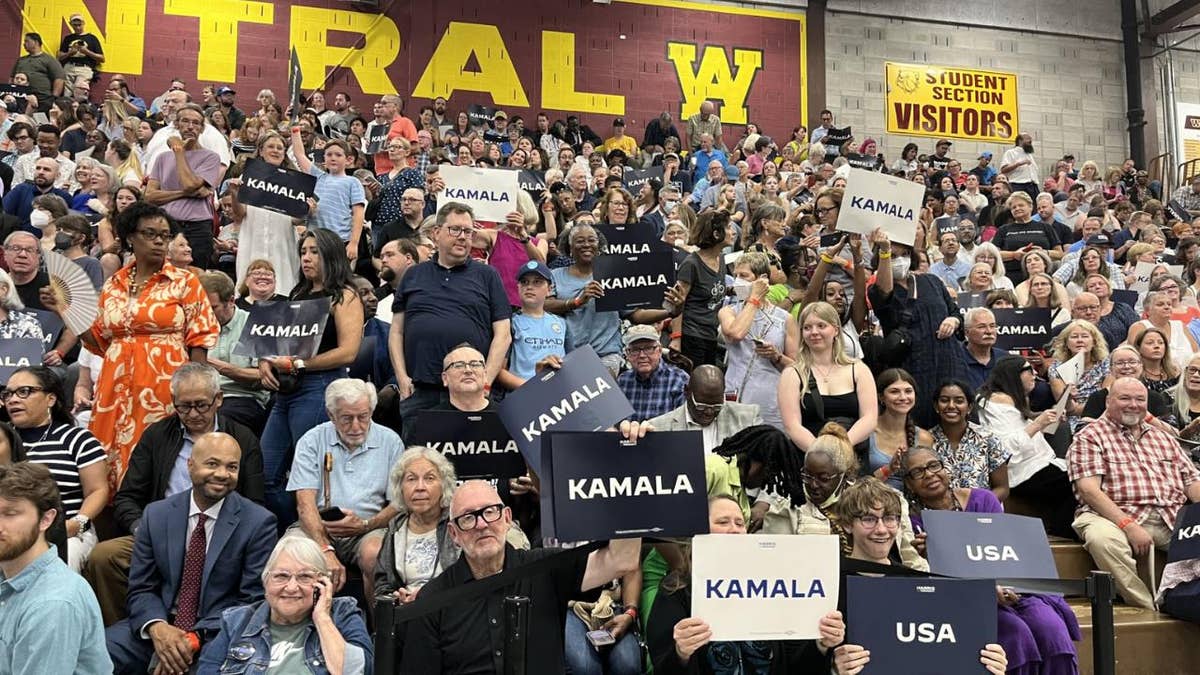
(1070, 90)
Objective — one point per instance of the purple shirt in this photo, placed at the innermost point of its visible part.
(206, 164)
(980, 501)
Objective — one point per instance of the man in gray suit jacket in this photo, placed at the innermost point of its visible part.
(706, 410)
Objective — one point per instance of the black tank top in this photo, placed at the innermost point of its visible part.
(843, 406)
(329, 338)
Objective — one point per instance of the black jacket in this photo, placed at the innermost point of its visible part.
(154, 456)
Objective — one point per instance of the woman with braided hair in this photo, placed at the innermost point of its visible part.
(757, 457)
(896, 430)
(830, 465)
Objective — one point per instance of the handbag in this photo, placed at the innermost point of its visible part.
(595, 614)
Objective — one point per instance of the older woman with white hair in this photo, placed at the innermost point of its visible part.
(1023, 234)
(14, 321)
(988, 253)
(299, 628)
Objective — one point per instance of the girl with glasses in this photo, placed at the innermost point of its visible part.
(1036, 631)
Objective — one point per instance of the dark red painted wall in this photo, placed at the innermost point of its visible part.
(637, 67)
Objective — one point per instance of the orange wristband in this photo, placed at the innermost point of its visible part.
(1125, 522)
(676, 336)
(755, 301)
(885, 472)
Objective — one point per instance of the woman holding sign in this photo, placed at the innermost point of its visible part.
(871, 517)
(266, 234)
(1036, 631)
(680, 644)
(325, 274)
(1079, 337)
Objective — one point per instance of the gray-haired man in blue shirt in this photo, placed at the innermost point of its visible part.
(50, 622)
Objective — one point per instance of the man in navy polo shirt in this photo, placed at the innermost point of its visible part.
(442, 303)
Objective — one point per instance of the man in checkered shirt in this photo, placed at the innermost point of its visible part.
(1131, 479)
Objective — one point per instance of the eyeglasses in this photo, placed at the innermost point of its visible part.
(155, 235)
(1087, 308)
(199, 406)
(1026, 368)
(705, 407)
(412, 200)
(282, 578)
(637, 351)
(823, 211)
(870, 521)
(261, 274)
(815, 478)
(459, 366)
(918, 472)
(14, 249)
(20, 392)
(459, 231)
(490, 514)
(1131, 363)
(1192, 371)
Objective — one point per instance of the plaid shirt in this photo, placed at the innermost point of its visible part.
(656, 395)
(1141, 475)
(422, 161)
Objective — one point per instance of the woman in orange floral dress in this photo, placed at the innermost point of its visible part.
(153, 318)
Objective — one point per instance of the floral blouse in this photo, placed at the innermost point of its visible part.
(971, 464)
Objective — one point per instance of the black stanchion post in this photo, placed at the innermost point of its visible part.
(516, 627)
(1104, 649)
(385, 640)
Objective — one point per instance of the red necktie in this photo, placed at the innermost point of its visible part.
(187, 602)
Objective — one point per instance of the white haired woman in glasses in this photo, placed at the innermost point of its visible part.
(299, 627)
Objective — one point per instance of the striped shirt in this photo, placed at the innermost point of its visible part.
(65, 450)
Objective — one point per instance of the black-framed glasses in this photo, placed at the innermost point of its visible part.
(459, 231)
(156, 235)
(918, 472)
(1026, 368)
(490, 514)
(459, 366)
(20, 392)
(870, 521)
(198, 406)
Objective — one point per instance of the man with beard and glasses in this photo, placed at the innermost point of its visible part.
(1020, 166)
(50, 622)
(1131, 479)
(196, 554)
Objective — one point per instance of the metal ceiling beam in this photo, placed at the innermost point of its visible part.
(1171, 18)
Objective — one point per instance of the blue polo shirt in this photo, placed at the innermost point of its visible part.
(977, 373)
(445, 307)
(359, 480)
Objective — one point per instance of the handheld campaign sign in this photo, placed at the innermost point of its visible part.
(285, 328)
(603, 487)
(276, 188)
(987, 546)
(295, 77)
(633, 281)
(875, 199)
(834, 139)
(969, 300)
(533, 182)
(480, 116)
(491, 193)
(864, 162)
(916, 626)
(1177, 211)
(580, 396)
(631, 239)
(1185, 540)
(1022, 328)
(476, 443)
(764, 586)
(634, 180)
(376, 137)
(19, 353)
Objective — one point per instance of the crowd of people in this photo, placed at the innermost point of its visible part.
(223, 513)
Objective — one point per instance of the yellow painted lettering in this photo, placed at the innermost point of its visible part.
(217, 59)
(558, 79)
(122, 39)
(447, 70)
(310, 28)
(713, 78)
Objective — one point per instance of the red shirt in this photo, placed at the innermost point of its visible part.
(1144, 475)
(401, 126)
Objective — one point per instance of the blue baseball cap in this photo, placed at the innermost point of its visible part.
(534, 267)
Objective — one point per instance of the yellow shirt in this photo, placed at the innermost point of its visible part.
(723, 478)
(625, 144)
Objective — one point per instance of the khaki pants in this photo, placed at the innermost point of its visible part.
(74, 73)
(107, 570)
(1110, 549)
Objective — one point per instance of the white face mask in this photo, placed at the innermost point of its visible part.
(670, 205)
(900, 267)
(39, 219)
(741, 289)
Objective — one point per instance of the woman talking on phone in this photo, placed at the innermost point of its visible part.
(300, 627)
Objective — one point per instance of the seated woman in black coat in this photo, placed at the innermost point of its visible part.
(680, 644)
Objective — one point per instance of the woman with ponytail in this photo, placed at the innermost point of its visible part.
(701, 280)
(830, 465)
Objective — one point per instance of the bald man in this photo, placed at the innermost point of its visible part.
(705, 410)
(467, 637)
(176, 585)
(1131, 479)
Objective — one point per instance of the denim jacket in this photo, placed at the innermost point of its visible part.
(243, 646)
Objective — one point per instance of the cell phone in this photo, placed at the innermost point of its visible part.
(332, 514)
(316, 594)
(831, 239)
(757, 342)
(600, 638)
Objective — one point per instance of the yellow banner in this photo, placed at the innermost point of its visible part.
(946, 102)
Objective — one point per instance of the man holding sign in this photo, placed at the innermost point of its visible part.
(1131, 480)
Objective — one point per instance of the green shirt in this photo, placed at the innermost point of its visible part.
(287, 648)
(228, 339)
(42, 70)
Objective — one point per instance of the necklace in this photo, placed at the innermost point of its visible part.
(826, 374)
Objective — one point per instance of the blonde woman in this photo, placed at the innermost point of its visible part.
(125, 162)
(824, 384)
(1187, 400)
(1080, 336)
(1089, 177)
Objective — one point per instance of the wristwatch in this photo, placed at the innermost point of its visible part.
(83, 521)
(298, 364)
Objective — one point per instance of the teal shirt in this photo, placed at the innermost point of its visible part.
(226, 341)
(50, 622)
(359, 480)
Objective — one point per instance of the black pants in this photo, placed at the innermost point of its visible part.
(245, 410)
(699, 350)
(1030, 189)
(199, 234)
(423, 398)
(1049, 492)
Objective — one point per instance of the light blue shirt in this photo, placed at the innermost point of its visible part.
(50, 622)
(534, 338)
(586, 326)
(950, 274)
(359, 480)
(180, 479)
(336, 195)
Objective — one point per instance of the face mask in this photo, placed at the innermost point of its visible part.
(62, 241)
(1028, 147)
(670, 205)
(741, 289)
(831, 499)
(900, 267)
(39, 218)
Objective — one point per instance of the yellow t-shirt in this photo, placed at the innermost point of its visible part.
(625, 144)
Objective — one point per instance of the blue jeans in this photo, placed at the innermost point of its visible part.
(293, 415)
(622, 658)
